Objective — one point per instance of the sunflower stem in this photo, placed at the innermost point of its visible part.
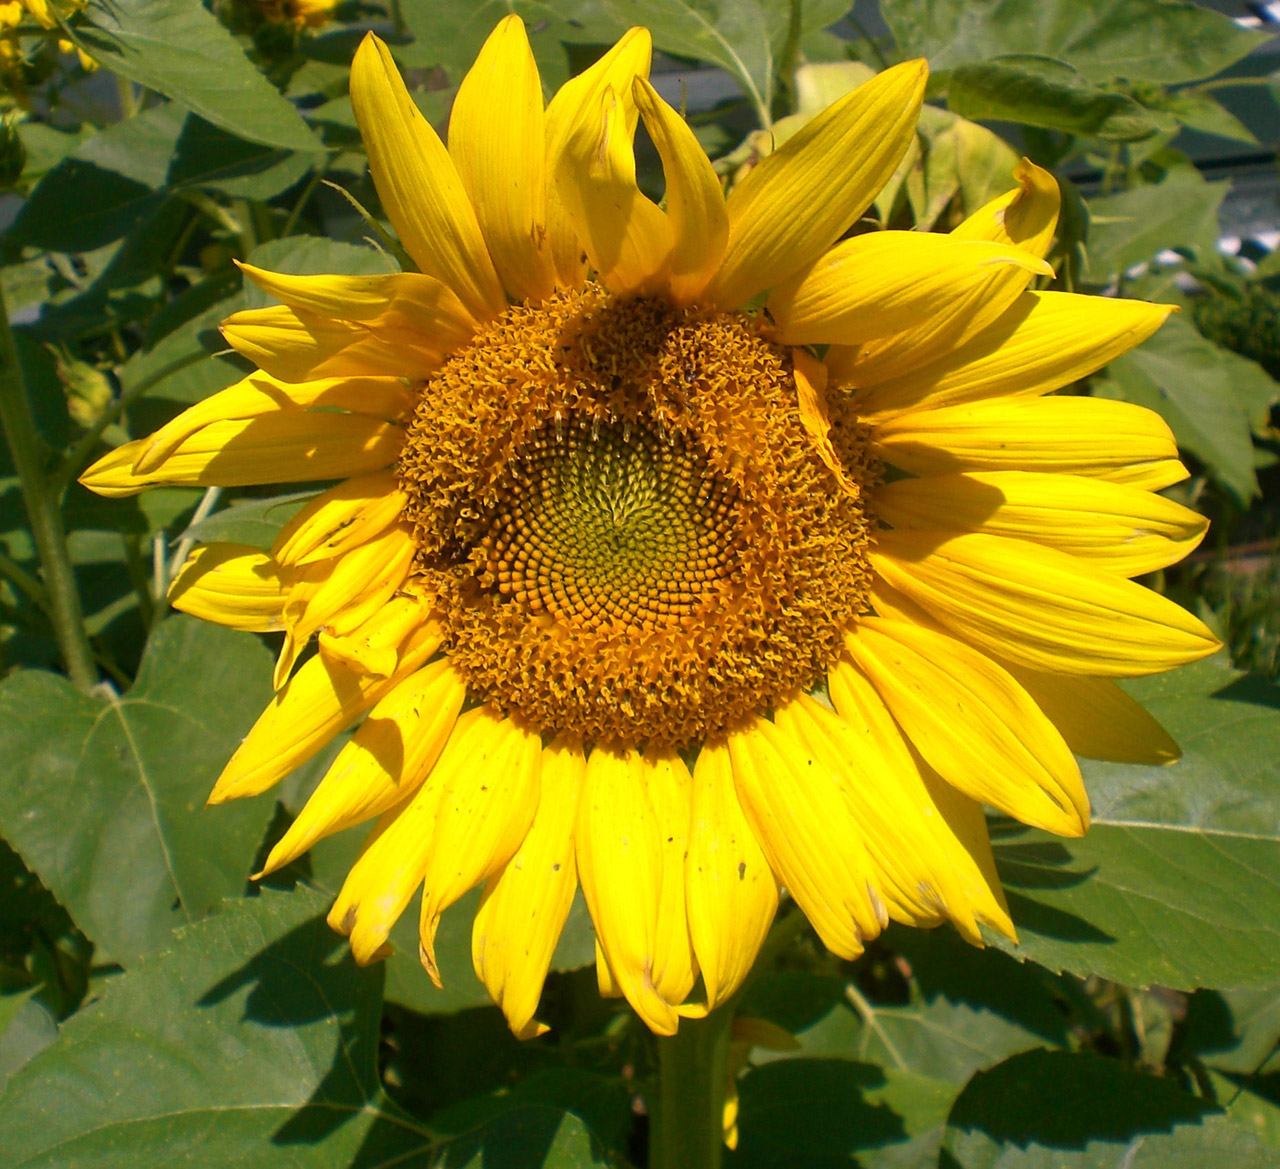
(692, 1069)
(43, 513)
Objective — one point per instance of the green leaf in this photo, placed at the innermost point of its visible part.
(946, 1036)
(251, 1040)
(1234, 1030)
(746, 38)
(1202, 112)
(1131, 227)
(111, 181)
(1061, 1110)
(1177, 882)
(249, 521)
(1190, 382)
(1039, 91)
(78, 206)
(309, 255)
(1141, 40)
(823, 1113)
(524, 1137)
(104, 797)
(179, 49)
(450, 35)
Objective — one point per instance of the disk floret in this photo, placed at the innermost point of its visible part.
(624, 521)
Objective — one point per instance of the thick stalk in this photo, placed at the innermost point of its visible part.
(692, 1066)
(44, 514)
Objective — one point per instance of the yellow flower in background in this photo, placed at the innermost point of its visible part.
(299, 13)
(46, 13)
(639, 593)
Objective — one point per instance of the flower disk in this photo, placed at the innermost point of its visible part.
(621, 517)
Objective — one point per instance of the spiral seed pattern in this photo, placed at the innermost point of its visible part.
(608, 523)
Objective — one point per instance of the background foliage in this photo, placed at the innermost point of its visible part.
(156, 1006)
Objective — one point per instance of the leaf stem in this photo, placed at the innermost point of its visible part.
(44, 514)
(24, 581)
(692, 1068)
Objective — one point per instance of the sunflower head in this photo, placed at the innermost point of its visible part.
(684, 551)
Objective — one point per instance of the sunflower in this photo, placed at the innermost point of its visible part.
(684, 553)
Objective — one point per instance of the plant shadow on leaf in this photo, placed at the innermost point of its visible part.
(1040, 864)
(811, 1112)
(1255, 690)
(286, 994)
(1098, 1105)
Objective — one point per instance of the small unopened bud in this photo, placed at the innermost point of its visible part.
(13, 155)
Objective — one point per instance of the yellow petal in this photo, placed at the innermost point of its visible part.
(294, 447)
(259, 394)
(397, 300)
(385, 762)
(893, 812)
(1098, 719)
(695, 200)
(486, 808)
(394, 858)
(731, 892)
(792, 206)
(670, 788)
(884, 281)
(498, 143)
(525, 905)
(1045, 340)
(625, 234)
(1114, 527)
(231, 584)
(617, 69)
(1039, 607)
(606, 984)
(620, 864)
(811, 385)
(340, 519)
(345, 592)
(958, 824)
(1025, 217)
(419, 185)
(799, 815)
(1115, 441)
(974, 724)
(321, 699)
(297, 347)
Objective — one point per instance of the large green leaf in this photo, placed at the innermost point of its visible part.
(1060, 1110)
(1142, 40)
(1191, 383)
(109, 182)
(970, 1010)
(179, 49)
(746, 38)
(1234, 1030)
(250, 1040)
(450, 35)
(103, 797)
(875, 1080)
(1038, 91)
(1133, 226)
(1178, 881)
(824, 1113)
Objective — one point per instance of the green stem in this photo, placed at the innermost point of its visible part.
(44, 514)
(693, 1065)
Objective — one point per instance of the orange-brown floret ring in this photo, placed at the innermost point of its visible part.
(625, 525)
